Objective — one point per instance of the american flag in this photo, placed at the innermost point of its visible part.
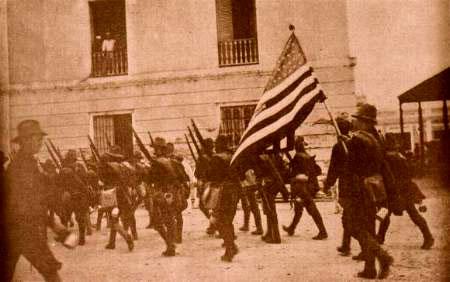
(288, 98)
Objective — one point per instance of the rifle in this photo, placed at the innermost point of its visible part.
(197, 148)
(83, 158)
(52, 156)
(94, 150)
(57, 153)
(151, 138)
(190, 148)
(198, 134)
(142, 147)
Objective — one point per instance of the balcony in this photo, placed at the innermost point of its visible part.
(238, 52)
(109, 63)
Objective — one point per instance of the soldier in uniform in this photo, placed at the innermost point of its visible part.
(116, 175)
(339, 169)
(25, 208)
(71, 178)
(366, 162)
(222, 176)
(183, 192)
(249, 203)
(304, 186)
(166, 201)
(408, 191)
(201, 175)
(268, 169)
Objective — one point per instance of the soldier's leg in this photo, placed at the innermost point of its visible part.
(100, 213)
(344, 249)
(9, 257)
(226, 217)
(123, 231)
(37, 252)
(315, 214)
(256, 213)
(420, 221)
(275, 231)
(384, 226)
(178, 227)
(80, 216)
(169, 222)
(298, 211)
(246, 210)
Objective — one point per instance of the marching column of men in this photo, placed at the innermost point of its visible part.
(372, 174)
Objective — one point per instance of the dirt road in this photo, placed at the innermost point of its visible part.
(298, 258)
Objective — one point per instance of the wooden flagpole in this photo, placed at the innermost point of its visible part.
(338, 132)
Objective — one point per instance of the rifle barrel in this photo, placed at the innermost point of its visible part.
(197, 148)
(190, 148)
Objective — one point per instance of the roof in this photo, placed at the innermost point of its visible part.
(432, 89)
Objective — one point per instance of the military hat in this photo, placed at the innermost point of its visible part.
(366, 112)
(221, 142)
(209, 144)
(301, 140)
(159, 142)
(170, 148)
(28, 128)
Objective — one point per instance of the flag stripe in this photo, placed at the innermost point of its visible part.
(283, 85)
(291, 94)
(285, 108)
(309, 98)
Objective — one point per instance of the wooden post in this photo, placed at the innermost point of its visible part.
(445, 114)
(421, 135)
(401, 127)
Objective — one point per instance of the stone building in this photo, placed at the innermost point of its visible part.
(95, 67)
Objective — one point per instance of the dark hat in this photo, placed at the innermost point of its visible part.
(170, 148)
(366, 112)
(209, 144)
(301, 140)
(71, 154)
(159, 142)
(28, 128)
(344, 125)
(221, 142)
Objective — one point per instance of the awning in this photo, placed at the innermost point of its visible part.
(432, 89)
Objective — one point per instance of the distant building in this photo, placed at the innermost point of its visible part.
(96, 67)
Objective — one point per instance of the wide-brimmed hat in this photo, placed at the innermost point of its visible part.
(222, 142)
(301, 140)
(366, 112)
(28, 128)
(159, 143)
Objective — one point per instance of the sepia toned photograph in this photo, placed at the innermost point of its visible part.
(224, 140)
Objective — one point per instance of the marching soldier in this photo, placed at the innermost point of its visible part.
(267, 169)
(25, 208)
(249, 203)
(339, 169)
(201, 171)
(166, 200)
(182, 193)
(116, 176)
(366, 162)
(408, 191)
(71, 178)
(304, 186)
(221, 176)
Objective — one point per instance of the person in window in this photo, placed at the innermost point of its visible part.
(108, 48)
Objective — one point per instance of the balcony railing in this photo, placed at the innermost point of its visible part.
(238, 52)
(109, 63)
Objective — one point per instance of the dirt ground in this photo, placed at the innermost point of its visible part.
(297, 258)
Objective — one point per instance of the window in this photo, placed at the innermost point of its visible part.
(236, 32)
(112, 130)
(109, 40)
(234, 121)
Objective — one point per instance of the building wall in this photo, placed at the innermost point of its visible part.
(173, 65)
